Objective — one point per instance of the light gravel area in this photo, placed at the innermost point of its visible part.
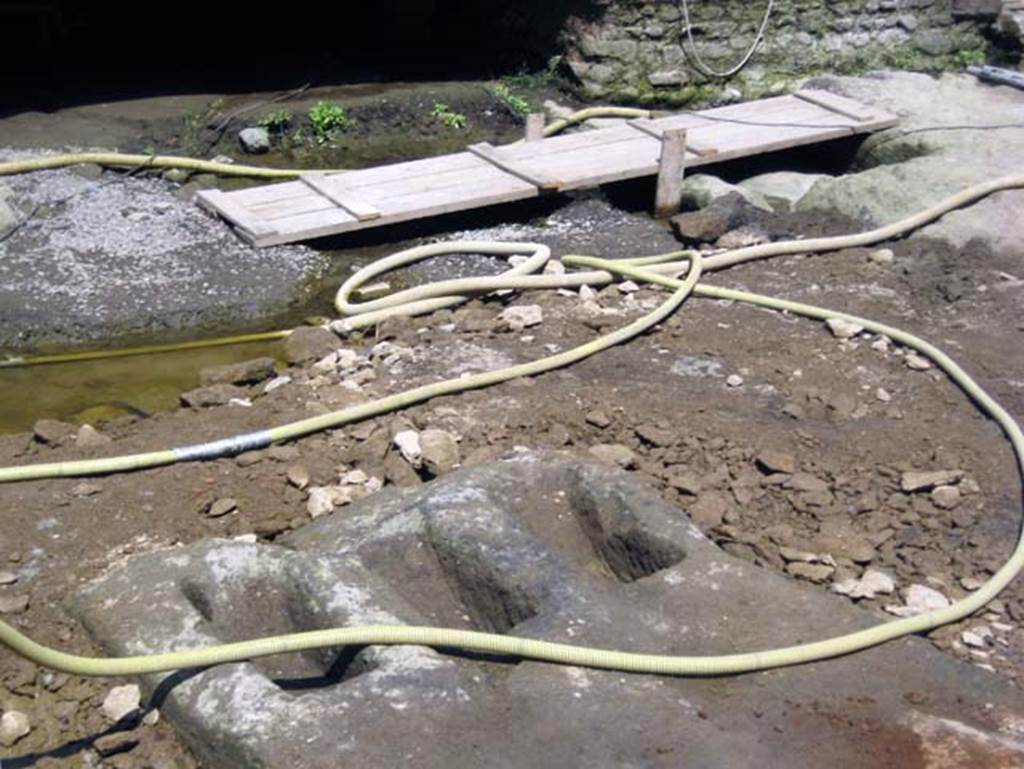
(125, 256)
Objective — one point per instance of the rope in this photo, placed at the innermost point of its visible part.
(701, 65)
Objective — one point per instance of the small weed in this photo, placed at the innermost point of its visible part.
(276, 121)
(970, 56)
(451, 119)
(517, 105)
(525, 79)
(326, 118)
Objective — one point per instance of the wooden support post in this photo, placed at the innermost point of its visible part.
(535, 126)
(671, 167)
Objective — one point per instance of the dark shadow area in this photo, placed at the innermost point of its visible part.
(60, 53)
(126, 724)
(472, 219)
(347, 665)
(834, 157)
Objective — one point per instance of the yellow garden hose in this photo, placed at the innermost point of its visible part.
(126, 160)
(123, 160)
(657, 270)
(492, 643)
(127, 352)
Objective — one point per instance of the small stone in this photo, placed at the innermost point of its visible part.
(918, 480)
(883, 395)
(8, 577)
(791, 555)
(945, 497)
(250, 458)
(283, 453)
(917, 362)
(121, 702)
(354, 478)
(89, 437)
(298, 476)
(309, 343)
(655, 436)
(969, 486)
(810, 571)
(807, 483)
(255, 140)
(222, 507)
(873, 582)
(51, 432)
(86, 489)
(880, 345)
(882, 256)
(519, 317)
(843, 329)
(275, 383)
(734, 380)
(977, 637)
(613, 454)
(919, 599)
(13, 726)
(177, 175)
(13, 604)
(246, 372)
(439, 451)
(214, 395)
(709, 510)
(772, 461)
(408, 444)
(115, 743)
(687, 483)
(972, 583)
(320, 501)
(598, 419)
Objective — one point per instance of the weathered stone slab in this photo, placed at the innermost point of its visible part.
(544, 546)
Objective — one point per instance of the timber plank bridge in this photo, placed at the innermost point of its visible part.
(321, 204)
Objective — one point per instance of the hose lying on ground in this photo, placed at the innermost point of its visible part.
(648, 269)
(126, 160)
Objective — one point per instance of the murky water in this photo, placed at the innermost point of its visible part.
(92, 391)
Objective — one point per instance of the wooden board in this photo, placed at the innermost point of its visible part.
(328, 204)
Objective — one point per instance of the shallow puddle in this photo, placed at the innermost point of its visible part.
(98, 390)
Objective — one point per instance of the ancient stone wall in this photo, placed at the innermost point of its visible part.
(636, 50)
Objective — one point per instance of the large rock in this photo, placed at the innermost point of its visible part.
(536, 546)
(722, 215)
(911, 172)
(782, 189)
(131, 260)
(701, 190)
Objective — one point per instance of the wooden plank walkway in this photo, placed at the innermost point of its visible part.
(484, 175)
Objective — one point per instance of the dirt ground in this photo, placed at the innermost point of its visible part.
(804, 455)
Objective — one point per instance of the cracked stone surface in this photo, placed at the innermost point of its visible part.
(543, 546)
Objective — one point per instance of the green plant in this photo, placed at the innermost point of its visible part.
(968, 56)
(326, 118)
(526, 79)
(276, 121)
(451, 119)
(516, 104)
